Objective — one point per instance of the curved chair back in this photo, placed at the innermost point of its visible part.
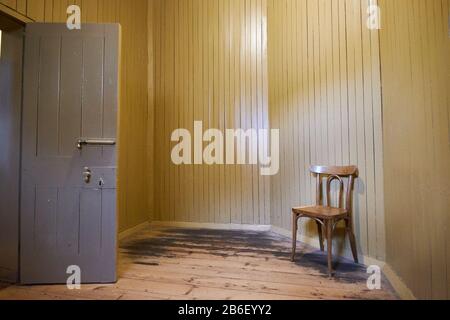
(332, 173)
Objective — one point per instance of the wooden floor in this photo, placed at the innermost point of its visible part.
(172, 263)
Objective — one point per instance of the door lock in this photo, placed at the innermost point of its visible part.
(87, 174)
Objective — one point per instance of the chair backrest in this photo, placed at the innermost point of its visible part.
(332, 173)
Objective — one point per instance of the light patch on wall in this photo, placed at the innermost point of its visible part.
(0, 44)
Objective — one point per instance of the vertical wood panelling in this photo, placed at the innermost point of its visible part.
(151, 108)
(134, 205)
(210, 64)
(48, 11)
(324, 85)
(21, 6)
(35, 9)
(415, 51)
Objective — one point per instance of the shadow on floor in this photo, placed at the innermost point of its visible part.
(176, 242)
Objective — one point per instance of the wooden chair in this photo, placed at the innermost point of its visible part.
(324, 214)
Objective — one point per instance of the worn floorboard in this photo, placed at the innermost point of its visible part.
(177, 263)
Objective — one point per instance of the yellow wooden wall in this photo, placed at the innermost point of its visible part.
(324, 88)
(415, 55)
(210, 66)
(132, 15)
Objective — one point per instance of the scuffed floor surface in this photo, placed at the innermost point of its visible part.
(175, 263)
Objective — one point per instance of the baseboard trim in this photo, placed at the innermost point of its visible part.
(213, 226)
(301, 237)
(131, 231)
(396, 282)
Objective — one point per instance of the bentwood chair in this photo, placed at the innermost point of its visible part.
(325, 215)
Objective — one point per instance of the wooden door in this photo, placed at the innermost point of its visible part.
(68, 198)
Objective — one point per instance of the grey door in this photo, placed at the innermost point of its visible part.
(68, 198)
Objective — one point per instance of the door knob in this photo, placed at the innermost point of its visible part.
(87, 174)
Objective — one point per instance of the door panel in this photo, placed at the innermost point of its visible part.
(48, 96)
(68, 216)
(70, 95)
(70, 92)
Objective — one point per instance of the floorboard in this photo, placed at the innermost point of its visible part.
(178, 263)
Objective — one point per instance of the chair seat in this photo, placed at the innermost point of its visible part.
(321, 212)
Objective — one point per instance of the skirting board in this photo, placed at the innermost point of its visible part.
(213, 226)
(131, 231)
(396, 282)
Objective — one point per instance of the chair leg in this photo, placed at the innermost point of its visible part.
(329, 227)
(294, 234)
(319, 228)
(351, 236)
